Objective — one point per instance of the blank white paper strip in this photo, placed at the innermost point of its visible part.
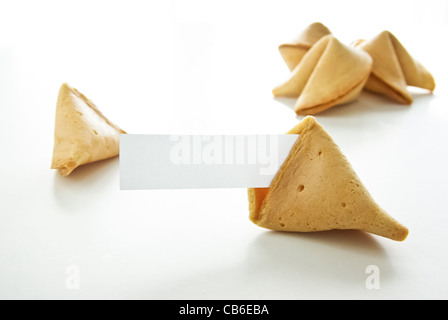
(201, 161)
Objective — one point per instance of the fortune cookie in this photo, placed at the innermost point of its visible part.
(330, 73)
(293, 51)
(82, 134)
(316, 189)
(394, 68)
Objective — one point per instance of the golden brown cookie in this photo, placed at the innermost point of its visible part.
(329, 74)
(292, 52)
(394, 68)
(316, 189)
(82, 133)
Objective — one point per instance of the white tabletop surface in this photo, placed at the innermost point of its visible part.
(208, 67)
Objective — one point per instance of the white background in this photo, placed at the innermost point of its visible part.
(208, 67)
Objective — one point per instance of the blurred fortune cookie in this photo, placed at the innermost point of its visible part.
(293, 51)
(394, 68)
(329, 74)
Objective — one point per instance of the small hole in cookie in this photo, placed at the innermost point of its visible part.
(301, 187)
(320, 152)
(343, 204)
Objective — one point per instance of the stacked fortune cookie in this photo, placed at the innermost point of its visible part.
(326, 72)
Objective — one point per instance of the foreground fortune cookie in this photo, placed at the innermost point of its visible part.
(394, 68)
(316, 189)
(292, 52)
(82, 133)
(330, 73)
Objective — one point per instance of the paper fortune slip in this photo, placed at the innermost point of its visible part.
(149, 161)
